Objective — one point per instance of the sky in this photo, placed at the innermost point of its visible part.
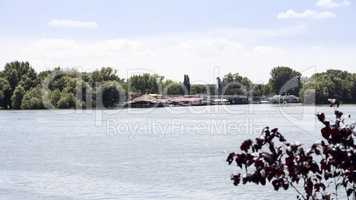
(202, 38)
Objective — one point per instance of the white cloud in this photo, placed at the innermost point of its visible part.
(242, 50)
(307, 14)
(332, 3)
(66, 23)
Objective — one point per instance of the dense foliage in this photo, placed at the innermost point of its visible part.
(22, 88)
(334, 84)
(323, 171)
(285, 80)
(234, 84)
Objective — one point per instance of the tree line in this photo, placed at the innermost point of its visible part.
(21, 87)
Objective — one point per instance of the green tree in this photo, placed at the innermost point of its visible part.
(353, 89)
(20, 73)
(66, 101)
(145, 83)
(334, 84)
(5, 93)
(84, 94)
(103, 75)
(54, 97)
(110, 95)
(43, 75)
(235, 84)
(285, 80)
(16, 98)
(212, 89)
(71, 85)
(261, 90)
(172, 88)
(186, 83)
(32, 99)
(198, 89)
(219, 86)
(258, 90)
(57, 80)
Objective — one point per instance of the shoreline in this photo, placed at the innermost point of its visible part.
(155, 107)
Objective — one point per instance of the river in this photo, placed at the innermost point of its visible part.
(161, 153)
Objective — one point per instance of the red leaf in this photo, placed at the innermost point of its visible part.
(246, 145)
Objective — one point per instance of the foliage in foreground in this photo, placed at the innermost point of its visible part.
(324, 171)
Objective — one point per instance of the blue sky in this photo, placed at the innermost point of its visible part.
(201, 38)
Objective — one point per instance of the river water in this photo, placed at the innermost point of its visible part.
(162, 153)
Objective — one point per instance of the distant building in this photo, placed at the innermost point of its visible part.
(155, 100)
(237, 99)
(220, 101)
(187, 101)
(277, 99)
(147, 101)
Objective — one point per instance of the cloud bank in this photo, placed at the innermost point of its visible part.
(203, 55)
(307, 14)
